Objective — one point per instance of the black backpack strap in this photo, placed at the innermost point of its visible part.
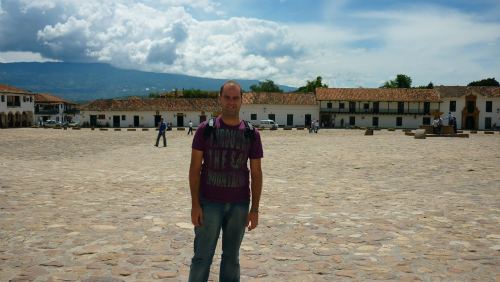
(249, 130)
(210, 129)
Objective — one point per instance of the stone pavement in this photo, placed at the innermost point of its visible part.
(337, 206)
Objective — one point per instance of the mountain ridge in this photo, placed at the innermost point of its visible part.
(80, 82)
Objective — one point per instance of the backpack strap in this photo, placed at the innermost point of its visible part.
(210, 129)
(249, 130)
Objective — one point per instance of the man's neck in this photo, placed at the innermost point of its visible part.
(230, 120)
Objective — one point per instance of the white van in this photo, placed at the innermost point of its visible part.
(268, 123)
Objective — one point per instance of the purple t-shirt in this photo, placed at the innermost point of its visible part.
(224, 172)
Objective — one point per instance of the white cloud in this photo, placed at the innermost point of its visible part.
(425, 42)
(441, 45)
(13, 57)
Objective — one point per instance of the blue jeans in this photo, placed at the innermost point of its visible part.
(231, 218)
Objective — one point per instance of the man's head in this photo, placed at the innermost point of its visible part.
(230, 99)
(230, 83)
(162, 119)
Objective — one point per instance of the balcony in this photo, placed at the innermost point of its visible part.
(379, 112)
(46, 112)
(72, 111)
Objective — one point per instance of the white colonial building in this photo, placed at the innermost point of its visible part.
(475, 107)
(377, 107)
(16, 107)
(147, 112)
(287, 109)
(50, 107)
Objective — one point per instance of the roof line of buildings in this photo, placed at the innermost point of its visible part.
(475, 107)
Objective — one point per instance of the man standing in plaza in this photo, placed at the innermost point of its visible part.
(223, 194)
(162, 127)
(190, 128)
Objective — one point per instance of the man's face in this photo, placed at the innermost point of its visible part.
(230, 100)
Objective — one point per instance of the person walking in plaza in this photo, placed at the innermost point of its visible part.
(190, 128)
(224, 197)
(450, 118)
(162, 127)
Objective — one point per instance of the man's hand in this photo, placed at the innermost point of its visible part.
(197, 216)
(252, 220)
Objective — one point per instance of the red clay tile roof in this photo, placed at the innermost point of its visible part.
(377, 94)
(279, 98)
(158, 104)
(9, 89)
(459, 91)
(49, 99)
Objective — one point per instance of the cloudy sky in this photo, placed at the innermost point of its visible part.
(350, 43)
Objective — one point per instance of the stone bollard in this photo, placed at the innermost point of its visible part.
(420, 134)
(369, 131)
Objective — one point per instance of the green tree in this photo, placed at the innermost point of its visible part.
(312, 85)
(428, 86)
(485, 82)
(390, 84)
(401, 81)
(265, 86)
(198, 93)
(154, 95)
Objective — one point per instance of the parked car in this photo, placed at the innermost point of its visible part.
(268, 123)
(51, 123)
(71, 124)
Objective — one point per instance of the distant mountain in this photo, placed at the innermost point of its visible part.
(84, 82)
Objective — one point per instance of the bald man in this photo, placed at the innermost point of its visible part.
(222, 196)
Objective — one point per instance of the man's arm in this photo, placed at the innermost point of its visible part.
(256, 186)
(194, 185)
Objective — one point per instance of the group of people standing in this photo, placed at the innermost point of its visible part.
(437, 123)
(314, 127)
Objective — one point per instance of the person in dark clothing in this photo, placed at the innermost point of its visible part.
(161, 132)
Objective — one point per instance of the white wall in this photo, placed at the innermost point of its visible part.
(460, 104)
(384, 121)
(494, 114)
(383, 105)
(25, 106)
(146, 118)
(480, 104)
(280, 112)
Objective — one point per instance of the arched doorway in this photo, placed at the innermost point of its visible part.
(3, 120)
(10, 120)
(24, 120)
(31, 118)
(18, 119)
